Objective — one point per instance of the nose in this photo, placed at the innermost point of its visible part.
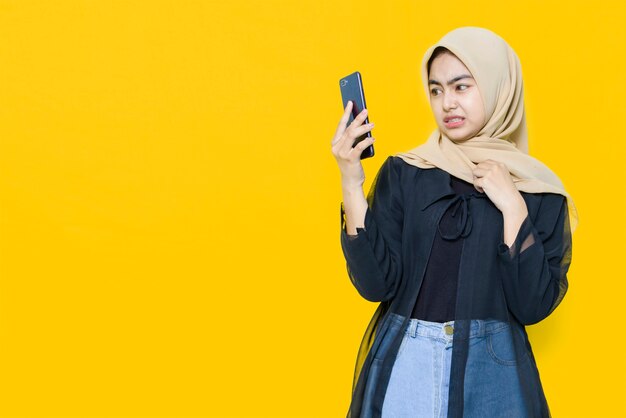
(449, 102)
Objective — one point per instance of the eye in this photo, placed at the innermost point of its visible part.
(435, 91)
(462, 87)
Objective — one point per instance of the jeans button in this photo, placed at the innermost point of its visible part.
(448, 329)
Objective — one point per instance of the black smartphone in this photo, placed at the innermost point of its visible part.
(352, 90)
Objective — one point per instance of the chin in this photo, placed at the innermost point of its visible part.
(457, 137)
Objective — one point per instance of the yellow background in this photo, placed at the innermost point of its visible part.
(169, 206)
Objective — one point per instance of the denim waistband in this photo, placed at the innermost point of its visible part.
(478, 327)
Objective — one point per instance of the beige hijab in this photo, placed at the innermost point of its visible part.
(497, 71)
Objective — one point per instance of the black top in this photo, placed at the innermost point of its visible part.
(437, 297)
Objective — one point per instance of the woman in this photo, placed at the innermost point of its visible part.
(463, 240)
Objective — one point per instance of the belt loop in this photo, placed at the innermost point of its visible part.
(413, 327)
(479, 328)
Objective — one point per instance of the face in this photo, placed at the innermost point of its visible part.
(454, 98)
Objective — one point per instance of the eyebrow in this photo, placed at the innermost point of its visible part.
(454, 80)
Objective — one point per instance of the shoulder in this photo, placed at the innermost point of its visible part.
(396, 170)
(400, 163)
(393, 162)
(400, 166)
(552, 204)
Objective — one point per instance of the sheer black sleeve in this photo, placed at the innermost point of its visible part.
(373, 256)
(534, 269)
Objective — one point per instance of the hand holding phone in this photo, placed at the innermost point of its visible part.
(348, 158)
(352, 91)
(347, 154)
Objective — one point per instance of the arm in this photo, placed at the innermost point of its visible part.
(354, 207)
(373, 253)
(513, 218)
(534, 268)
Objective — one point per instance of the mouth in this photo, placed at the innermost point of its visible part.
(453, 122)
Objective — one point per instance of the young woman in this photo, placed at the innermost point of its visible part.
(463, 240)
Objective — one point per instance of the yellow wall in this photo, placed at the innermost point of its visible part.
(169, 206)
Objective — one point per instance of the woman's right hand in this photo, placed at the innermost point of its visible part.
(349, 157)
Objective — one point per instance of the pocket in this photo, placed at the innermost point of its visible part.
(501, 347)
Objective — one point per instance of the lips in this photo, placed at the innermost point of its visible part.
(452, 122)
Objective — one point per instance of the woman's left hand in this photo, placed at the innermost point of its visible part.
(493, 178)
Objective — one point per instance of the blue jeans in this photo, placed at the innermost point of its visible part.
(419, 382)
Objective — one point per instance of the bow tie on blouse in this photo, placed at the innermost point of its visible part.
(461, 204)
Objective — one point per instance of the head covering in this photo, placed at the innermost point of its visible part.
(497, 71)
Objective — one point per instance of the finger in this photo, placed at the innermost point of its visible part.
(478, 185)
(341, 127)
(358, 120)
(346, 143)
(346, 113)
(351, 134)
(479, 172)
(501, 166)
(357, 150)
(485, 164)
(350, 141)
(490, 161)
(356, 132)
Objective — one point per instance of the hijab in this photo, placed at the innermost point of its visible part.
(497, 71)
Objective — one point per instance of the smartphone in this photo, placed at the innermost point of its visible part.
(352, 90)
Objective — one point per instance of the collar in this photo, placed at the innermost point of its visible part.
(436, 185)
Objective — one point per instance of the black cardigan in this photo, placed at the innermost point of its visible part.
(388, 258)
